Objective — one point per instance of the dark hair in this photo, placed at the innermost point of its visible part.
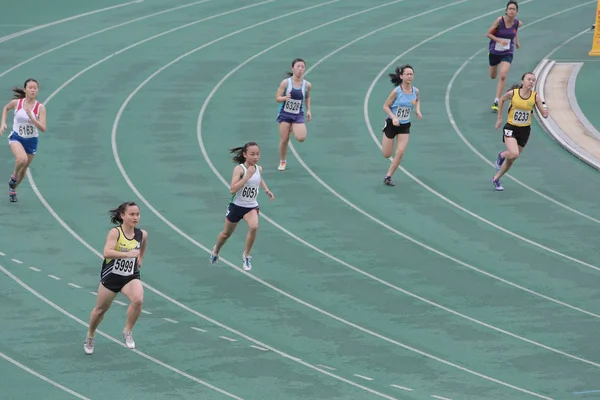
(396, 77)
(512, 2)
(520, 85)
(115, 214)
(288, 73)
(239, 157)
(20, 93)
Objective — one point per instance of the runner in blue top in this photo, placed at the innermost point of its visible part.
(503, 35)
(294, 95)
(399, 106)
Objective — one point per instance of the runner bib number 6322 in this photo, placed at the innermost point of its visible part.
(124, 266)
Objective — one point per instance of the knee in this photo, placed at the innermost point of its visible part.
(502, 76)
(137, 301)
(387, 153)
(253, 228)
(511, 156)
(21, 161)
(301, 138)
(225, 235)
(100, 311)
(399, 153)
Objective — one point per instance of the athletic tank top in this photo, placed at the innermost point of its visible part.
(294, 106)
(404, 104)
(504, 33)
(520, 110)
(246, 196)
(22, 125)
(124, 266)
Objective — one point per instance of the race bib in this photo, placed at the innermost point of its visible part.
(508, 132)
(25, 130)
(249, 193)
(403, 113)
(292, 106)
(521, 116)
(502, 47)
(124, 266)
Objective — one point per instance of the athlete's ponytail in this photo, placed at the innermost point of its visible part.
(115, 214)
(396, 77)
(289, 73)
(239, 157)
(20, 93)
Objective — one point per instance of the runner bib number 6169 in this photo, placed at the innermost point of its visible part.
(124, 266)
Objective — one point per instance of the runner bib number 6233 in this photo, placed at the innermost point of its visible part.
(124, 266)
(521, 116)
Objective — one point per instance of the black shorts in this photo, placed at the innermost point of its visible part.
(236, 213)
(520, 133)
(392, 130)
(495, 59)
(115, 283)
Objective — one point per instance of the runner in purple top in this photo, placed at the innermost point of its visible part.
(294, 95)
(504, 38)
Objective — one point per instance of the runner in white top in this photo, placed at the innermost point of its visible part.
(29, 119)
(245, 184)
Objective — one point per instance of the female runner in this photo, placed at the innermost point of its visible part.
(523, 99)
(503, 40)
(245, 183)
(29, 119)
(398, 106)
(123, 254)
(293, 94)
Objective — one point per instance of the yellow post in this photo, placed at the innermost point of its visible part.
(596, 43)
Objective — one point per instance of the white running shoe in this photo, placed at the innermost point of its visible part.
(88, 345)
(129, 340)
(246, 259)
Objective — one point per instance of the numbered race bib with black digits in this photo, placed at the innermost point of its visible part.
(503, 47)
(521, 116)
(124, 266)
(403, 113)
(292, 106)
(249, 193)
(25, 130)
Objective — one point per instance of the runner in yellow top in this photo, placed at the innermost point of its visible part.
(523, 99)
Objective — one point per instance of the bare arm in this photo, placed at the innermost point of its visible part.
(540, 105)
(41, 122)
(388, 103)
(279, 97)
(492, 30)
(237, 181)
(506, 96)
(111, 242)
(264, 185)
(307, 97)
(11, 105)
(418, 103)
(143, 247)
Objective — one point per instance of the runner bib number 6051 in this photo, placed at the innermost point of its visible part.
(124, 266)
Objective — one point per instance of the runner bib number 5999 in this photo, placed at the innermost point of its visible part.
(124, 266)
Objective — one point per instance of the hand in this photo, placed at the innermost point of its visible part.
(308, 116)
(2, 128)
(133, 254)
(396, 122)
(251, 171)
(419, 115)
(498, 123)
(518, 45)
(545, 113)
(139, 263)
(287, 97)
(271, 196)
